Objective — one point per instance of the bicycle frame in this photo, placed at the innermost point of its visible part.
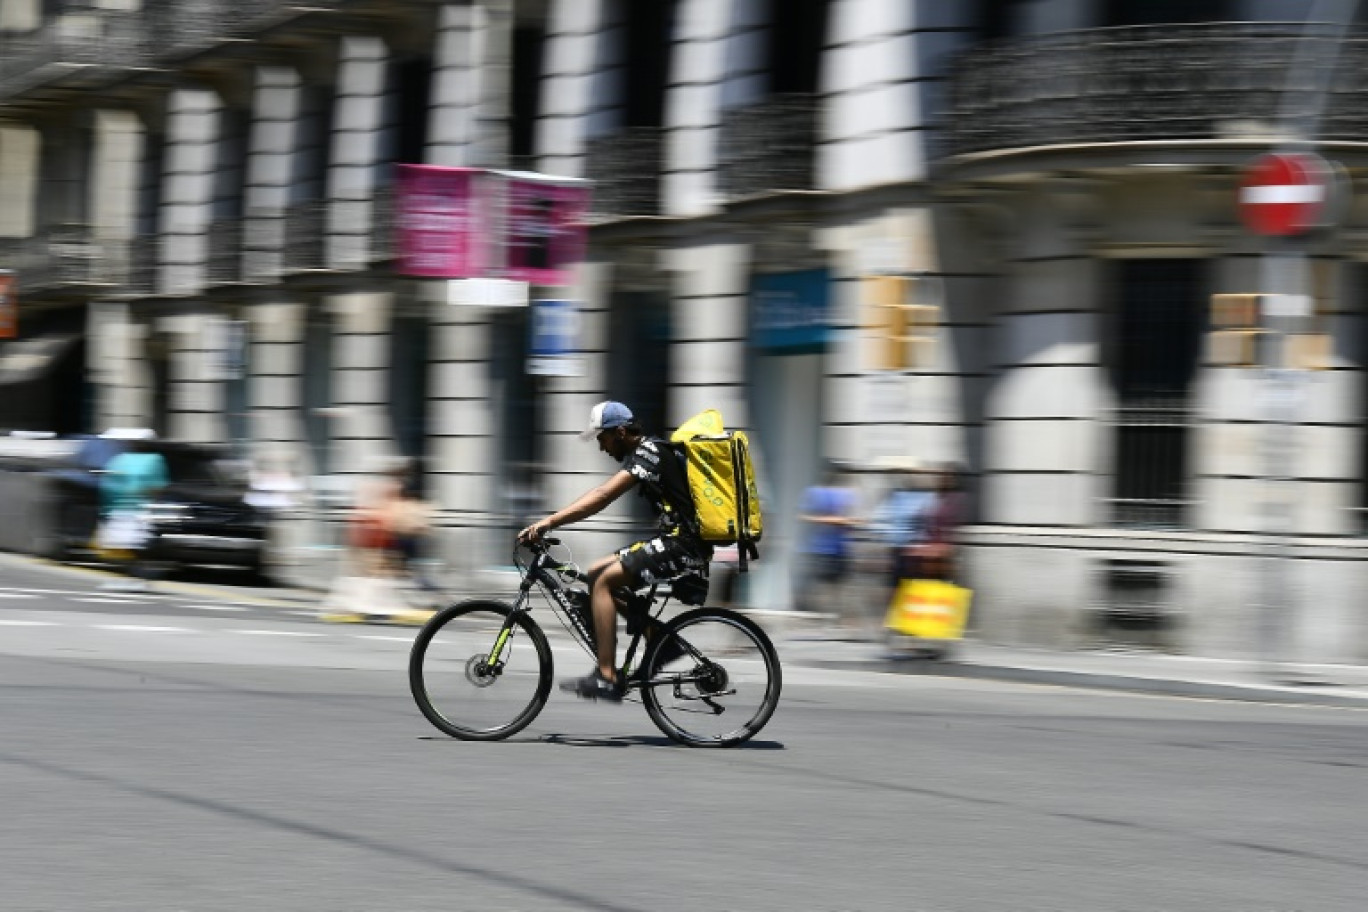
(546, 573)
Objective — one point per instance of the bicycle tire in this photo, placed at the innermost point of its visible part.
(447, 619)
(678, 628)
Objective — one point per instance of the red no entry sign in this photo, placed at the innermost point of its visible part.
(1284, 193)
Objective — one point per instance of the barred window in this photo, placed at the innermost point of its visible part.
(1158, 324)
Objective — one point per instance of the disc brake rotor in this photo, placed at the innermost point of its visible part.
(478, 672)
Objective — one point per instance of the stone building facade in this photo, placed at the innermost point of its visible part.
(204, 200)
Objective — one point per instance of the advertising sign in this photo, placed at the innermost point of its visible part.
(789, 311)
(440, 222)
(544, 227)
(552, 350)
(9, 306)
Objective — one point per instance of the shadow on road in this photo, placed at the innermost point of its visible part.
(565, 740)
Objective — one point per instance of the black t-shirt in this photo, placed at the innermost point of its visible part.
(660, 474)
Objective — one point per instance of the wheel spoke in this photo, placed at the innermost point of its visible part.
(477, 674)
(721, 690)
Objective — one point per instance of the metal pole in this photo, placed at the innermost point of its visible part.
(1283, 272)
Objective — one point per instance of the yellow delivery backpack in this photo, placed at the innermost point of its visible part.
(721, 483)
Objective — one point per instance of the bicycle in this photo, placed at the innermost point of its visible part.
(481, 670)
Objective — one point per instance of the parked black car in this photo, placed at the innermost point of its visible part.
(199, 518)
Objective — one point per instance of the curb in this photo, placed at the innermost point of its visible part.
(1318, 695)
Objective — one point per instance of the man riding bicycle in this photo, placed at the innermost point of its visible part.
(677, 552)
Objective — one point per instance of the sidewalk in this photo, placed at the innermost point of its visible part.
(1102, 669)
(815, 641)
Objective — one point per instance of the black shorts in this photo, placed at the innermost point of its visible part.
(664, 558)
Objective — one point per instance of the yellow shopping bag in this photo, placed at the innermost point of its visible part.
(929, 609)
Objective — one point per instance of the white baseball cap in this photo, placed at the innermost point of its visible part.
(604, 417)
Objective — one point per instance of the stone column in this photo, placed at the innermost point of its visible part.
(192, 123)
(1047, 445)
(275, 385)
(196, 356)
(19, 151)
(694, 107)
(470, 90)
(576, 85)
(361, 437)
(356, 149)
(275, 112)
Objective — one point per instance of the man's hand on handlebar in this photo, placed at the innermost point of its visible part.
(534, 533)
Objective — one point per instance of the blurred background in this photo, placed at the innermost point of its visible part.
(878, 235)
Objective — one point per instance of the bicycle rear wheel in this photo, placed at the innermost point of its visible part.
(712, 678)
(480, 671)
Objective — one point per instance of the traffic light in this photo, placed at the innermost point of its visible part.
(1239, 337)
(1236, 333)
(901, 320)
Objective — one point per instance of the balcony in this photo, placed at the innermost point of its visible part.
(65, 257)
(768, 146)
(190, 27)
(142, 278)
(1146, 83)
(263, 242)
(625, 168)
(225, 252)
(79, 49)
(304, 247)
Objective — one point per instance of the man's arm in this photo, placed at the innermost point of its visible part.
(586, 505)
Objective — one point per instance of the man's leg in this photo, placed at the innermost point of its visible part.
(608, 575)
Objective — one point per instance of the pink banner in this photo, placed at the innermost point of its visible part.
(438, 218)
(544, 233)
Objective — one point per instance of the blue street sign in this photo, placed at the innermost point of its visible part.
(554, 346)
(789, 310)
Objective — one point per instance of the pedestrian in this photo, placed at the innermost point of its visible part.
(127, 485)
(934, 557)
(901, 521)
(828, 519)
(408, 521)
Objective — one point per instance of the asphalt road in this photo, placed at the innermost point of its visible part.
(193, 751)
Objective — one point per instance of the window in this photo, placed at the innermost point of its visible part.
(1158, 325)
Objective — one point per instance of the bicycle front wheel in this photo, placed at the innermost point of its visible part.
(712, 678)
(480, 671)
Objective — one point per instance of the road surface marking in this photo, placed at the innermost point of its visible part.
(280, 633)
(100, 600)
(143, 628)
(18, 595)
(214, 607)
(18, 623)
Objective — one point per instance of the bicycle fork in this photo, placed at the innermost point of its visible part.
(505, 633)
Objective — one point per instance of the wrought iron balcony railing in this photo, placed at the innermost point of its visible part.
(625, 168)
(142, 275)
(1164, 82)
(86, 47)
(768, 146)
(305, 247)
(225, 251)
(64, 256)
(263, 243)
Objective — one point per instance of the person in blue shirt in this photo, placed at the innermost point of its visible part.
(126, 486)
(829, 523)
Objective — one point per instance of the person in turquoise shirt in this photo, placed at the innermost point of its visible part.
(129, 481)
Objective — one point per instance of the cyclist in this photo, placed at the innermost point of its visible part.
(679, 551)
